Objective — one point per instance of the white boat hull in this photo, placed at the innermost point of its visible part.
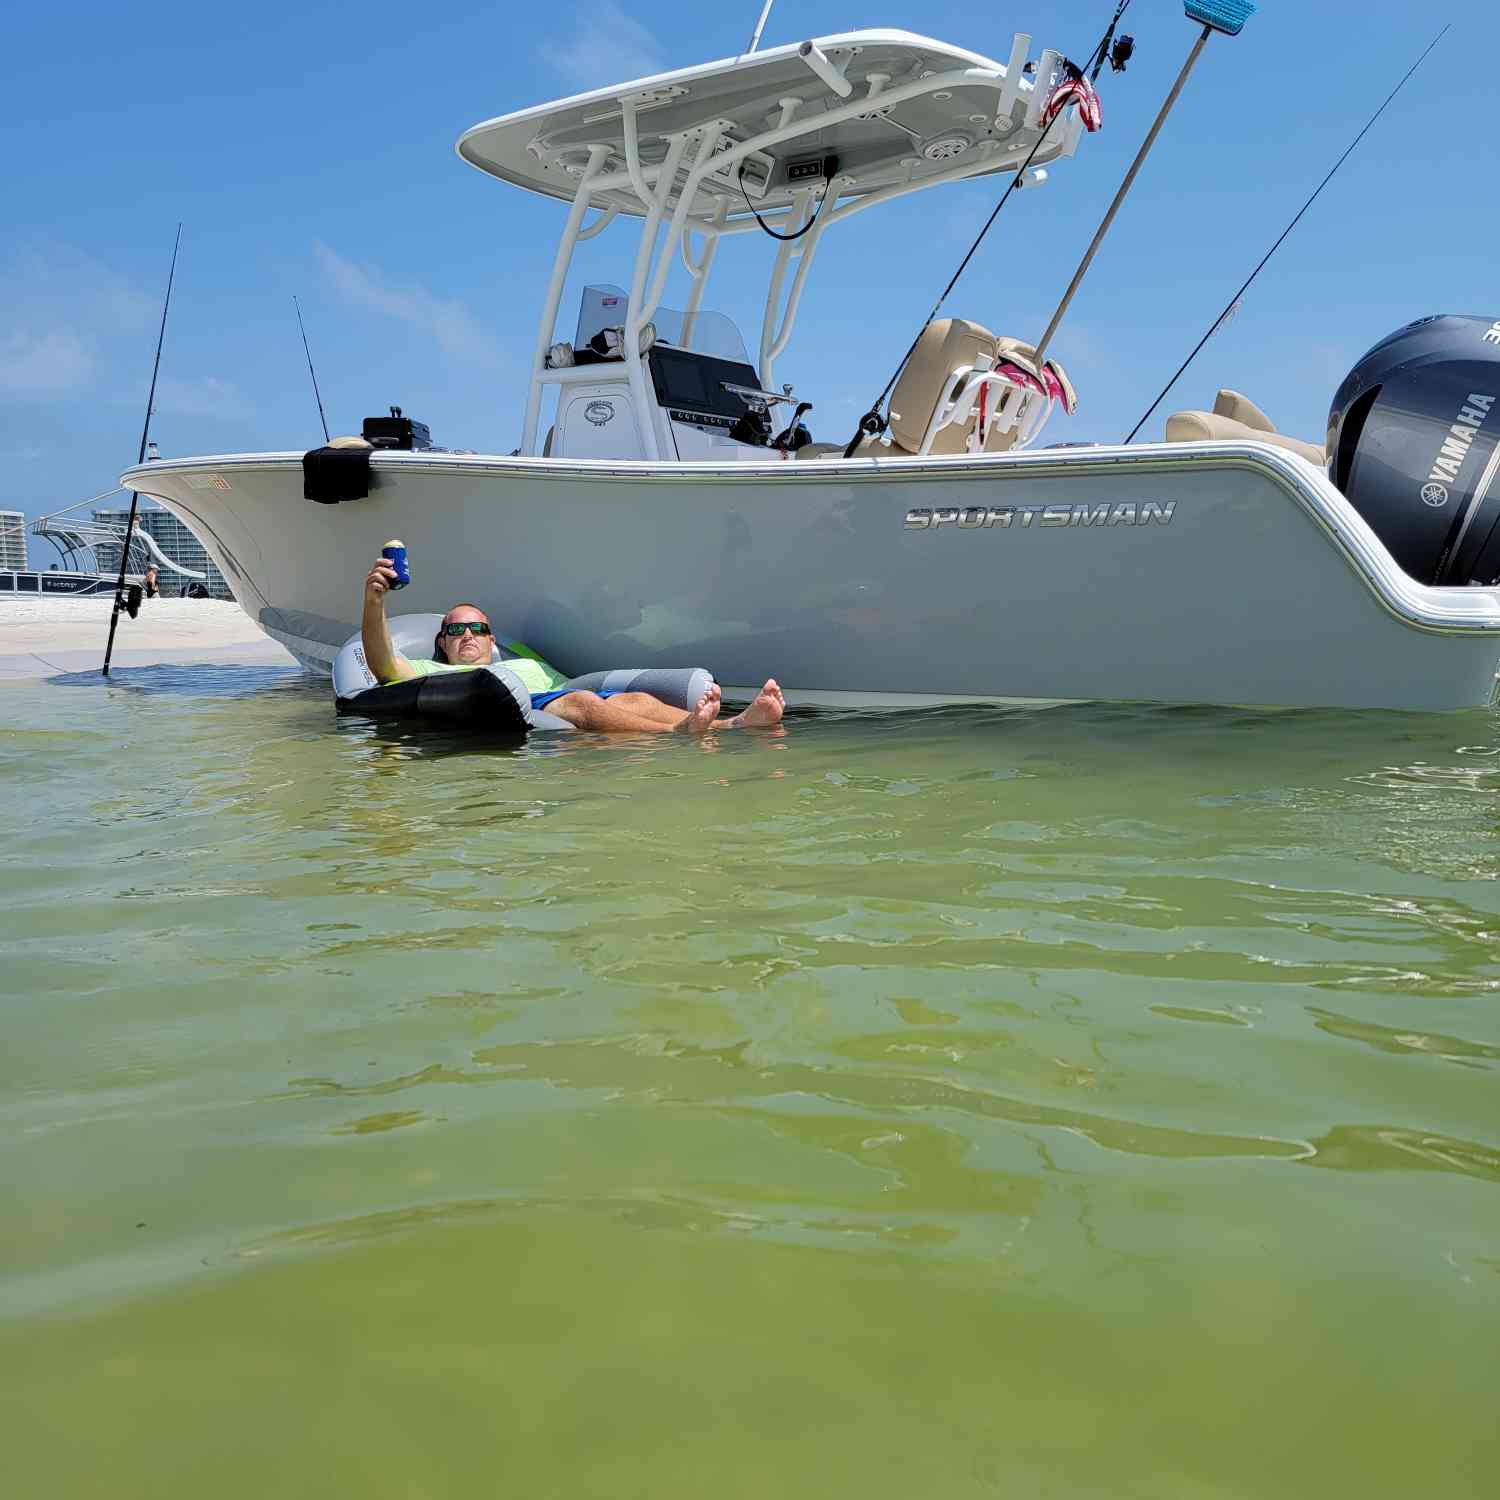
(1204, 573)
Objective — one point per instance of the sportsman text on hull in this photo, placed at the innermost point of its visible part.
(983, 517)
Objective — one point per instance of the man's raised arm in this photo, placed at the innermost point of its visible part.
(381, 656)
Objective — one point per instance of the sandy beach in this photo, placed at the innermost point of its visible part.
(41, 637)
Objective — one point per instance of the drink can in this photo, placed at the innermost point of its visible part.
(395, 554)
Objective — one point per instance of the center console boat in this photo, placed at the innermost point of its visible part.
(665, 504)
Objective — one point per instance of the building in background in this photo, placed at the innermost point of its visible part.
(174, 539)
(13, 541)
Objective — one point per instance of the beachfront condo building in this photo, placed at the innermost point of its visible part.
(174, 539)
(13, 541)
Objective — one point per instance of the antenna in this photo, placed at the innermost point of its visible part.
(308, 352)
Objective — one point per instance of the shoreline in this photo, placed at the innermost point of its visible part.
(42, 637)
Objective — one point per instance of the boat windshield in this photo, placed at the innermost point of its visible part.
(709, 333)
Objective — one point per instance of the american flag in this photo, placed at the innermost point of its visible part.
(1077, 91)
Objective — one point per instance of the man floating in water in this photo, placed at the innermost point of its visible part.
(465, 640)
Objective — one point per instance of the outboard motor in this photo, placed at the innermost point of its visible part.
(1414, 443)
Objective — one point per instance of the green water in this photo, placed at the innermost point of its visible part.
(1089, 1103)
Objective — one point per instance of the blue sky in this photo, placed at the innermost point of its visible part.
(309, 150)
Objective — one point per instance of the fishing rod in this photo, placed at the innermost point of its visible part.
(120, 604)
(1223, 316)
(873, 423)
(308, 352)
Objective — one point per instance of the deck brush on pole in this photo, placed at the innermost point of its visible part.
(1233, 302)
(873, 423)
(120, 604)
(1227, 16)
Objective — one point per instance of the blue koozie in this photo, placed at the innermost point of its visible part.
(395, 554)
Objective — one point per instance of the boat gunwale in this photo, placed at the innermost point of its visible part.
(1447, 611)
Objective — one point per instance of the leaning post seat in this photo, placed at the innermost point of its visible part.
(928, 379)
(490, 699)
(1005, 382)
(1237, 416)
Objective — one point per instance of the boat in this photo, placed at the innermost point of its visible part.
(97, 540)
(663, 503)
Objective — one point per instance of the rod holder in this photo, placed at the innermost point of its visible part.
(821, 64)
(1043, 81)
(1015, 71)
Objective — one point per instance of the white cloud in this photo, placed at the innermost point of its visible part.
(204, 396)
(45, 363)
(606, 46)
(63, 310)
(446, 320)
(57, 281)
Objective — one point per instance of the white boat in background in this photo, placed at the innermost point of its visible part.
(648, 516)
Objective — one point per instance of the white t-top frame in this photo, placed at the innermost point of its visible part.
(685, 190)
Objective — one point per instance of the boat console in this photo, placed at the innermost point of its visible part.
(963, 390)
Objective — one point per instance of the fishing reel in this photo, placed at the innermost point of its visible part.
(871, 425)
(794, 435)
(752, 426)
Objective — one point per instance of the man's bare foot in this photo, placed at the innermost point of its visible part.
(701, 718)
(767, 709)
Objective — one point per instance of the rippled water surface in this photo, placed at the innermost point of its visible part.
(1094, 1102)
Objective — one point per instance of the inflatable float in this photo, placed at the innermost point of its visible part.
(491, 699)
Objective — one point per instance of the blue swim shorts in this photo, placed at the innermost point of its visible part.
(541, 700)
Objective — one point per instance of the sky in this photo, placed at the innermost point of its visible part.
(308, 150)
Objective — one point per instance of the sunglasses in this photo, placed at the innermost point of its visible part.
(457, 627)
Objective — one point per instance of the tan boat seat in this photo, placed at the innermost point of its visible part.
(1242, 409)
(929, 379)
(1237, 416)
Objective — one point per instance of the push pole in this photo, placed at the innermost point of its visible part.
(1228, 16)
(114, 618)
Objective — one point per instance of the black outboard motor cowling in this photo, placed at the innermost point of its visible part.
(1414, 443)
